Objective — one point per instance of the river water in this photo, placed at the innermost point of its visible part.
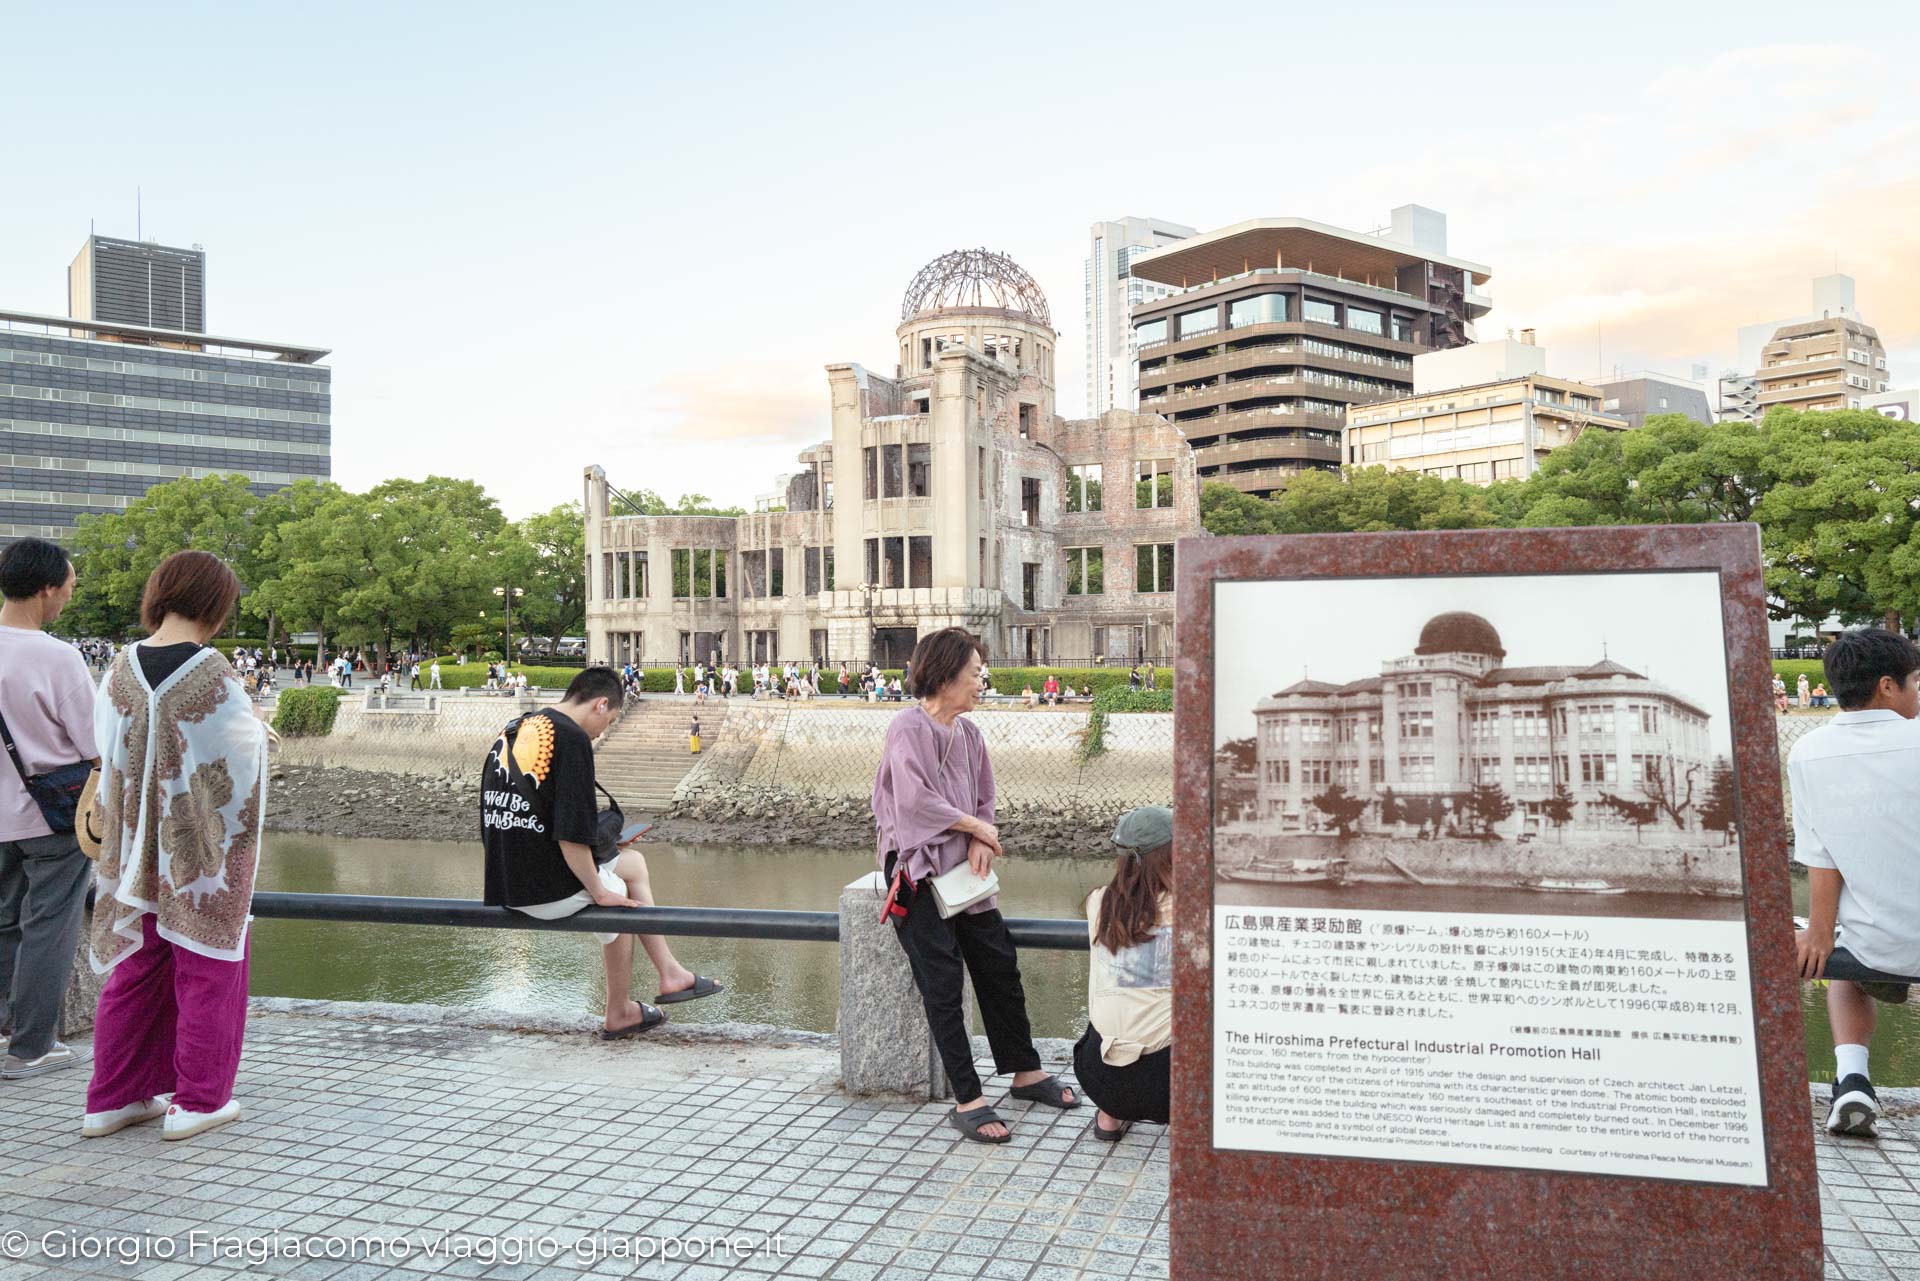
(785, 984)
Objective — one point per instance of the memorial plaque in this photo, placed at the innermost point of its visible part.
(1484, 925)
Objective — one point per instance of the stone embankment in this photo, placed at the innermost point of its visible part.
(771, 773)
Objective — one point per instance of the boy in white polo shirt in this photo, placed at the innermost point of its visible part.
(1856, 828)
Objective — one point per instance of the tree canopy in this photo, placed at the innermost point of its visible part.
(1836, 495)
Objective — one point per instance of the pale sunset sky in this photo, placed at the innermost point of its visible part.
(537, 237)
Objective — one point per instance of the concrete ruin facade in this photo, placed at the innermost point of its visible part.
(949, 494)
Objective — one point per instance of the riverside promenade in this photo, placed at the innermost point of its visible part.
(511, 1154)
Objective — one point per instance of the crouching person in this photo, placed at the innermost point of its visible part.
(1122, 1060)
(537, 824)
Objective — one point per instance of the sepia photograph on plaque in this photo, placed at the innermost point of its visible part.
(1476, 857)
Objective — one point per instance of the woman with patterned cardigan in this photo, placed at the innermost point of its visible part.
(182, 797)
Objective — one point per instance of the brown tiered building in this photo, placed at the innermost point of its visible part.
(1277, 325)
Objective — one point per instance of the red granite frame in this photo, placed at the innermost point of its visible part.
(1264, 1215)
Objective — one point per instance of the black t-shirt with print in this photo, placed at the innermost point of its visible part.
(536, 790)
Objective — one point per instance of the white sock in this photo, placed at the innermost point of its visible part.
(1850, 1060)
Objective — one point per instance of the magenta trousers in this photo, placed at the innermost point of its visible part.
(170, 1022)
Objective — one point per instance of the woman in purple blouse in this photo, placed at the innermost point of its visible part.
(933, 807)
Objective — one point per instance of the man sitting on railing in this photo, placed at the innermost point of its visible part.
(538, 825)
(1856, 789)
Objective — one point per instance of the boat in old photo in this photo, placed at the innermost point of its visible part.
(1288, 871)
(1553, 885)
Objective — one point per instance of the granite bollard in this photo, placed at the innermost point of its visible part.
(83, 991)
(885, 1047)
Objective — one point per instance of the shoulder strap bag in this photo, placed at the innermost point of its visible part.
(56, 792)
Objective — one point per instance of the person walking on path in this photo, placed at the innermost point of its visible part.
(1123, 1059)
(933, 808)
(46, 709)
(433, 675)
(183, 793)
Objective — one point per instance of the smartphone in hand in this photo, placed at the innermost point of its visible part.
(635, 830)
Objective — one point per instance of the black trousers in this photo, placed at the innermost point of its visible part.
(937, 949)
(1140, 1091)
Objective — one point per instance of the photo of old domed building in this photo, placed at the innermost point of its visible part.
(949, 494)
(1588, 749)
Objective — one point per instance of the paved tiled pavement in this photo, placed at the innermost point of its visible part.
(474, 1139)
(356, 1129)
(1869, 1197)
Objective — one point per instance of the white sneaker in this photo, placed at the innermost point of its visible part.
(102, 1123)
(60, 1056)
(182, 1124)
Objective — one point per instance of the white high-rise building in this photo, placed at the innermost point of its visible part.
(1111, 292)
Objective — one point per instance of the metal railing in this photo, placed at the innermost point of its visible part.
(703, 922)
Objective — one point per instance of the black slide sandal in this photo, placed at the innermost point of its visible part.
(650, 1018)
(702, 986)
(1111, 1136)
(970, 1123)
(1052, 1092)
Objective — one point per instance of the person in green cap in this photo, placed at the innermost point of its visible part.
(1123, 1059)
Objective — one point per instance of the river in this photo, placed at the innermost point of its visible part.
(785, 984)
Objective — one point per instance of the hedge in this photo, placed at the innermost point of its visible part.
(306, 710)
(226, 646)
(474, 675)
(1133, 700)
(1789, 670)
(1014, 680)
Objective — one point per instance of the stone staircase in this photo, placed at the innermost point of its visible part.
(642, 759)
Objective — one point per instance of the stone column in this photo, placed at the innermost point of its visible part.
(885, 1047)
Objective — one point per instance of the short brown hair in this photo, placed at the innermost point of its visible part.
(941, 656)
(195, 585)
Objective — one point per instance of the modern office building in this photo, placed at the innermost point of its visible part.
(138, 282)
(1452, 716)
(1484, 412)
(94, 413)
(1739, 398)
(1277, 325)
(1112, 292)
(1640, 396)
(949, 494)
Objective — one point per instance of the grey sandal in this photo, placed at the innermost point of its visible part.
(970, 1124)
(1051, 1091)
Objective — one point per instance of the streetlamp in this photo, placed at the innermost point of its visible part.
(508, 594)
(870, 590)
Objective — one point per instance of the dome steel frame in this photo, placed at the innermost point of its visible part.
(969, 278)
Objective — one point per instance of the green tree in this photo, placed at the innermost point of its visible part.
(1227, 511)
(546, 555)
(1342, 808)
(1841, 524)
(115, 553)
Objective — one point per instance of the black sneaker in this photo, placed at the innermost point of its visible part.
(1855, 1107)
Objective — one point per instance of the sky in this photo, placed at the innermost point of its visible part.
(537, 238)
(1664, 625)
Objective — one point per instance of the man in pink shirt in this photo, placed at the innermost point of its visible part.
(46, 698)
